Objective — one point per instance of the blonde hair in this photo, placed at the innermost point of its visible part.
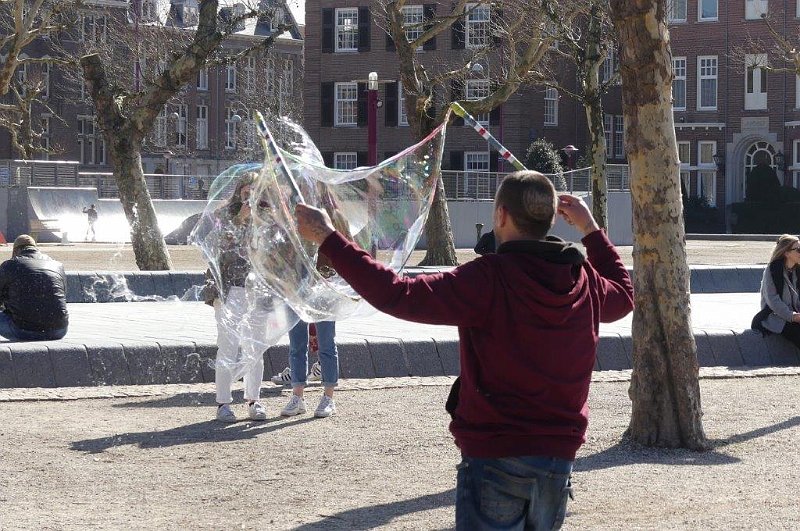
(785, 242)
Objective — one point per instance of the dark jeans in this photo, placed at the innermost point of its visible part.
(515, 493)
(11, 331)
(791, 331)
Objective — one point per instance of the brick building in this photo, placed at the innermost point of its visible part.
(203, 129)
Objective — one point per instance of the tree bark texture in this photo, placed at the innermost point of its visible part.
(664, 389)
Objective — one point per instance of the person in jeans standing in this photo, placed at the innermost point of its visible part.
(298, 365)
(528, 319)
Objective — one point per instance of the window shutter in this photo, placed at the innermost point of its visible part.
(457, 161)
(328, 30)
(361, 158)
(493, 160)
(456, 93)
(494, 116)
(457, 37)
(390, 47)
(363, 29)
(389, 154)
(495, 21)
(327, 158)
(327, 103)
(362, 104)
(429, 14)
(391, 104)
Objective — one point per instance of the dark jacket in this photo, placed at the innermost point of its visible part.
(486, 244)
(33, 291)
(528, 323)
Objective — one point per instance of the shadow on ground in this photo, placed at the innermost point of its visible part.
(626, 452)
(194, 399)
(200, 432)
(382, 514)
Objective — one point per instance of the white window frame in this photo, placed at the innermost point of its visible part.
(611, 67)
(346, 38)
(608, 132)
(476, 163)
(673, 15)
(250, 74)
(345, 160)
(706, 169)
(230, 77)
(202, 78)
(45, 80)
(271, 85)
(230, 128)
(619, 137)
(685, 165)
(755, 82)
(701, 76)
(160, 128)
(93, 21)
(86, 137)
(477, 26)
(342, 104)
(550, 106)
(700, 17)
(796, 163)
(44, 122)
(182, 125)
(679, 73)
(402, 115)
(201, 126)
(755, 9)
(413, 22)
(287, 86)
(476, 89)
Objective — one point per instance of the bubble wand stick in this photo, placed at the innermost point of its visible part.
(486, 135)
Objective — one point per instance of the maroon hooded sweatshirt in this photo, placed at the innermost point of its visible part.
(528, 323)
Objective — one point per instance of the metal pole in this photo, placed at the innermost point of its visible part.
(372, 119)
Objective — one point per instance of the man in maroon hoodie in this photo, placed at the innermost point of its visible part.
(528, 321)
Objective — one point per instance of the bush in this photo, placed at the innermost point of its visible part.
(760, 217)
(762, 184)
(543, 157)
(699, 216)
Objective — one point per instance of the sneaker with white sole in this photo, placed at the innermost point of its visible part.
(326, 407)
(295, 406)
(256, 411)
(316, 373)
(283, 378)
(225, 413)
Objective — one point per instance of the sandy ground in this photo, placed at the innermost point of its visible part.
(107, 257)
(384, 461)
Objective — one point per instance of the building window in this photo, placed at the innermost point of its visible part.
(402, 115)
(345, 161)
(202, 79)
(230, 77)
(202, 127)
(22, 79)
(45, 80)
(86, 139)
(347, 29)
(684, 157)
(476, 165)
(287, 85)
(706, 184)
(550, 106)
(160, 128)
(676, 10)
(477, 25)
(679, 83)
(707, 10)
(45, 136)
(181, 126)
(707, 82)
(271, 77)
(796, 164)
(797, 87)
(755, 9)
(230, 128)
(94, 29)
(477, 89)
(608, 130)
(619, 136)
(102, 159)
(611, 66)
(346, 104)
(755, 96)
(250, 74)
(413, 19)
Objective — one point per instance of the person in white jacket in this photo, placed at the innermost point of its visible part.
(780, 302)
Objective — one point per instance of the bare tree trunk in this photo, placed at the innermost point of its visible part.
(664, 387)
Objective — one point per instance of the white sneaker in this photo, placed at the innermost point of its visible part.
(326, 407)
(295, 406)
(283, 378)
(256, 411)
(225, 413)
(316, 373)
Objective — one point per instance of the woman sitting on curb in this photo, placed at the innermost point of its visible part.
(780, 302)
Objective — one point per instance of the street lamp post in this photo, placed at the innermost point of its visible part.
(372, 119)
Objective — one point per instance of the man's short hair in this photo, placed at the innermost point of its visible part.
(22, 241)
(530, 199)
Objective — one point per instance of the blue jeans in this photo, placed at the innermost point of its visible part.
(515, 493)
(11, 331)
(328, 355)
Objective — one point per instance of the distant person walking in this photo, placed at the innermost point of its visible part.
(780, 303)
(91, 218)
(32, 294)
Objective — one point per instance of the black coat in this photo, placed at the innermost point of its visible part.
(33, 290)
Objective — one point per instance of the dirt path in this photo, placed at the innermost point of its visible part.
(385, 461)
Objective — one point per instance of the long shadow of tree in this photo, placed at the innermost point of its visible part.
(382, 514)
(200, 432)
(626, 452)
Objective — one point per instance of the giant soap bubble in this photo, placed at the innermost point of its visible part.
(267, 276)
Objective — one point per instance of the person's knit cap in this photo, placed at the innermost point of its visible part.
(23, 241)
